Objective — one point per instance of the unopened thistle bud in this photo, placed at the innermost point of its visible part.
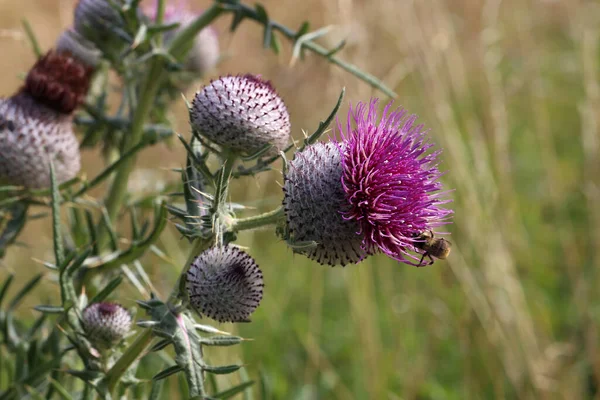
(106, 324)
(36, 123)
(98, 21)
(242, 113)
(204, 54)
(225, 284)
(313, 202)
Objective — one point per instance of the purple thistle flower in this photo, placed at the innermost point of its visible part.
(390, 180)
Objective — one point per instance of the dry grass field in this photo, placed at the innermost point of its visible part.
(511, 92)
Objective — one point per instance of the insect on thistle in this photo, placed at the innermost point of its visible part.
(432, 247)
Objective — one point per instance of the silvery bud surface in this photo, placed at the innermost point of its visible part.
(36, 124)
(225, 284)
(32, 134)
(242, 113)
(313, 201)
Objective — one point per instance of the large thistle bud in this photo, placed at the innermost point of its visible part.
(36, 123)
(241, 113)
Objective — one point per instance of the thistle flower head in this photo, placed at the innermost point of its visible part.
(242, 113)
(32, 134)
(225, 284)
(204, 54)
(390, 180)
(106, 324)
(314, 200)
(72, 43)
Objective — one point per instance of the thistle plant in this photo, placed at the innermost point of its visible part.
(372, 187)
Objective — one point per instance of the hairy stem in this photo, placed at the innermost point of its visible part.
(118, 189)
(150, 88)
(314, 47)
(268, 218)
(113, 376)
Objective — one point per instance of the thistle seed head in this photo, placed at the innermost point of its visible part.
(314, 201)
(225, 284)
(242, 113)
(32, 134)
(106, 324)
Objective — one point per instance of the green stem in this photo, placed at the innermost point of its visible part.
(180, 44)
(118, 189)
(150, 88)
(220, 210)
(251, 13)
(268, 218)
(143, 340)
(113, 376)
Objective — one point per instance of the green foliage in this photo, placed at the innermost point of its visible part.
(512, 314)
(94, 248)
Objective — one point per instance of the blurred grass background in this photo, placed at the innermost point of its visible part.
(511, 92)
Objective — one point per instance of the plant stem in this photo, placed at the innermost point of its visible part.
(150, 88)
(251, 13)
(145, 337)
(143, 340)
(180, 44)
(118, 189)
(268, 218)
(129, 357)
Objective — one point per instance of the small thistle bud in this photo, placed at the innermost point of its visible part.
(106, 324)
(225, 284)
(204, 54)
(32, 134)
(58, 81)
(97, 21)
(313, 202)
(242, 113)
(72, 43)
